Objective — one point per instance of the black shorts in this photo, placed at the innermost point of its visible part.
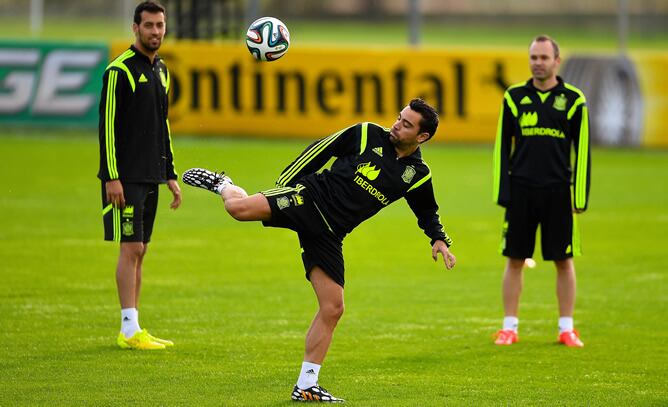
(293, 208)
(549, 207)
(134, 223)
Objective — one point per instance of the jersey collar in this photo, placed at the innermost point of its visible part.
(143, 56)
(530, 85)
(417, 154)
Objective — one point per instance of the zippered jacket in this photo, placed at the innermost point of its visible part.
(366, 177)
(135, 141)
(534, 136)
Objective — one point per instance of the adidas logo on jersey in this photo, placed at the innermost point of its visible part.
(142, 79)
(525, 101)
(378, 150)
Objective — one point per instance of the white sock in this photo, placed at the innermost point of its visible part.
(129, 321)
(309, 375)
(565, 324)
(220, 188)
(511, 323)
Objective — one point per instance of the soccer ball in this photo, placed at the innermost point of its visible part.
(267, 39)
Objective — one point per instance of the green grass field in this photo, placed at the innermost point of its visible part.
(233, 297)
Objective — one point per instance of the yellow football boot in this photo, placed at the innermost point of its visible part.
(140, 340)
(165, 342)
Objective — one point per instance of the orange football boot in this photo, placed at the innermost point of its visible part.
(571, 339)
(506, 337)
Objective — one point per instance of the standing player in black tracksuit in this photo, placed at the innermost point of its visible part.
(540, 121)
(375, 166)
(135, 156)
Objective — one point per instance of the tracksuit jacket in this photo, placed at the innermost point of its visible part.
(135, 141)
(542, 126)
(366, 177)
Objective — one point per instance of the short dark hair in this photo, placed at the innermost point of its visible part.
(543, 38)
(429, 122)
(151, 6)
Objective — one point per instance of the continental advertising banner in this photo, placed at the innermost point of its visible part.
(311, 92)
(46, 84)
(219, 89)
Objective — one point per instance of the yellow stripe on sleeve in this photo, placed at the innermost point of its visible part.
(496, 177)
(110, 115)
(171, 148)
(511, 104)
(420, 182)
(307, 157)
(365, 128)
(583, 155)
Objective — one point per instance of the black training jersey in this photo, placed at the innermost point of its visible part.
(366, 177)
(533, 141)
(135, 143)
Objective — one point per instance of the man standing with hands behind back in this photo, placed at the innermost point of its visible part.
(135, 157)
(540, 120)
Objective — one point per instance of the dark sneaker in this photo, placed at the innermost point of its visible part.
(209, 180)
(314, 394)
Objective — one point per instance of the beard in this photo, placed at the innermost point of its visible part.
(149, 45)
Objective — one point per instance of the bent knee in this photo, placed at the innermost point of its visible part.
(333, 311)
(237, 208)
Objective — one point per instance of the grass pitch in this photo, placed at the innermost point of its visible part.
(368, 33)
(233, 296)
